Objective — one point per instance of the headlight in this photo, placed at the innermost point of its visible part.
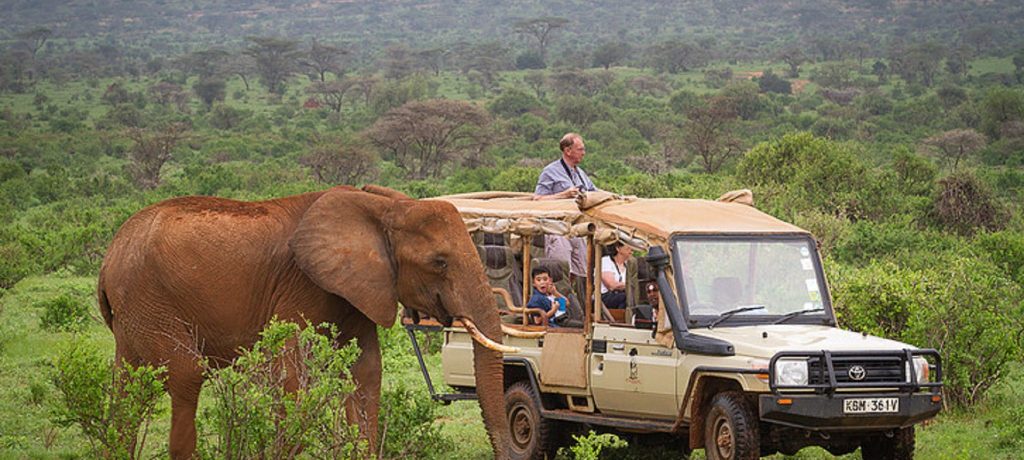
(791, 372)
(921, 370)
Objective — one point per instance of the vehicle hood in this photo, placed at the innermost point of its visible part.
(763, 341)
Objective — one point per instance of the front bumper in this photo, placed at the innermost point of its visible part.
(824, 412)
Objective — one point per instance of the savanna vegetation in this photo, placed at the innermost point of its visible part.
(892, 130)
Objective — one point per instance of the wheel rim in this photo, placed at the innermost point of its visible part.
(521, 424)
(724, 442)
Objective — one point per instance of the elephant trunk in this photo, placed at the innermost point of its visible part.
(490, 389)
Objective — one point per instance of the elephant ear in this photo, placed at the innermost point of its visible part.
(340, 244)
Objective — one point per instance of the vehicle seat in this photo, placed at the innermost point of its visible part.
(495, 239)
(500, 266)
(559, 270)
(726, 291)
(537, 247)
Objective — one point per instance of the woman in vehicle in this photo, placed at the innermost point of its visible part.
(613, 275)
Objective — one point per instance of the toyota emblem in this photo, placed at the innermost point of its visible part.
(857, 373)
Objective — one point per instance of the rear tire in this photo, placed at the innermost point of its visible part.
(900, 446)
(532, 435)
(731, 430)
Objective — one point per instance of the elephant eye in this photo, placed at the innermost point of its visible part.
(441, 263)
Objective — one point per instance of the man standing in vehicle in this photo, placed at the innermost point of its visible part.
(564, 179)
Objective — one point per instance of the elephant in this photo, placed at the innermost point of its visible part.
(195, 277)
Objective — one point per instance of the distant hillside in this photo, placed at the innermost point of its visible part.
(740, 29)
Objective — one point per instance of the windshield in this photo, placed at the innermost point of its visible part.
(762, 279)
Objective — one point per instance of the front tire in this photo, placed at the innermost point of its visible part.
(899, 446)
(731, 430)
(531, 434)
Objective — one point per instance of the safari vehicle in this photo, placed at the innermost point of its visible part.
(744, 358)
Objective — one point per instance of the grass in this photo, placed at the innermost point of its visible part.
(26, 394)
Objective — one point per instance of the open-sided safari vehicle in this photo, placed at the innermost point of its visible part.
(744, 358)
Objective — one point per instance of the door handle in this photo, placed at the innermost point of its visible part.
(618, 346)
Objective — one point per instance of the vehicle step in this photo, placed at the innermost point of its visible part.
(662, 426)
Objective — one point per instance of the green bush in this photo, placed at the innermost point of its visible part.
(1006, 250)
(112, 406)
(1007, 410)
(407, 428)
(962, 306)
(63, 314)
(251, 415)
(591, 446)
(800, 171)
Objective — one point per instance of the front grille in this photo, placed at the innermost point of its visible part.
(877, 369)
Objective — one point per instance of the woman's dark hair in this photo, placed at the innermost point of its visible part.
(611, 249)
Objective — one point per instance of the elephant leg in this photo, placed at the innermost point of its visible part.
(184, 389)
(363, 406)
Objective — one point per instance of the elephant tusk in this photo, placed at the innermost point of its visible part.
(483, 340)
(521, 334)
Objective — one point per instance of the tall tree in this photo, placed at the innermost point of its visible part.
(956, 145)
(541, 29)
(152, 149)
(334, 160)
(793, 56)
(35, 38)
(610, 53)
(321, 59)
(332, 93)
(275, 60)
(708, 134)
(674, 56)
(423, 137)
(205, 63)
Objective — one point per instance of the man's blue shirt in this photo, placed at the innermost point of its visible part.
(558, 177)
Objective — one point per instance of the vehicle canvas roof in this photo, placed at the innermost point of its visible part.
(646, 218)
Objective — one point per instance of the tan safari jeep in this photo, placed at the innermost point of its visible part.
(740, 354)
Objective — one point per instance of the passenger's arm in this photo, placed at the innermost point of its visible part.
(565, 194)
(609, 281)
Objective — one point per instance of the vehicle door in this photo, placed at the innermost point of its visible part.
(631, 373)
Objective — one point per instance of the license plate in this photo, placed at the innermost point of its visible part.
(871, 405)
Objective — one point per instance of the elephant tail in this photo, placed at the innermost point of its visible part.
(104, 302)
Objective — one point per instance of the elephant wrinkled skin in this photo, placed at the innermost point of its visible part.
(200, 276)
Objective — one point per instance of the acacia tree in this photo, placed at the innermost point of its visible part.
(335, 160)
(541, 29)
(423, 137)
(610, 53)
(35, 38)
(793, 56)
(955, 145)
(332, 93)
(322, 58)
(275, 60)
(152, 149)
(708, 134)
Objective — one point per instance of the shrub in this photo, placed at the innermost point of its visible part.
(801, 171)
(964, 204)
(516, 179)
(407, 428)
(63, 313)
(963, 307)
(1008, 411)
(113, 406)
(1006, 250)
(591, 446)
(251, 415)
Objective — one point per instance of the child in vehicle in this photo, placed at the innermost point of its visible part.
(546, 297)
